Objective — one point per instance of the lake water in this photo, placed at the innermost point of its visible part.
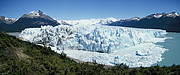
(14, 34)
(172, 56)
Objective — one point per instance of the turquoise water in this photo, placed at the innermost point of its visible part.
(172, 56)
(14, 34)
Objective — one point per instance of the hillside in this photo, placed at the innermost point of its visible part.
(20, 57)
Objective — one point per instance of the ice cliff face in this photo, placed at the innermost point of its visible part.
(92, 38)
(132, 46)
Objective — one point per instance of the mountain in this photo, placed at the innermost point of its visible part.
(7, 20)
(169, 22)
(99, 21)
(32, 20)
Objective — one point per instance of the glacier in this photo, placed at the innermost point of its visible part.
(100, 21)
(134, 47)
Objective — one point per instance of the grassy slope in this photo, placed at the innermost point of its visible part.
(20, 57)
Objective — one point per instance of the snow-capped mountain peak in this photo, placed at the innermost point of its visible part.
(135, 18)
(39, 13)
(159, 15)
(156, 15)
(8, 20)
(13, 19)
(173, 14)
(36, 14)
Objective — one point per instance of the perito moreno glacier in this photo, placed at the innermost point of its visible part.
(107, 45)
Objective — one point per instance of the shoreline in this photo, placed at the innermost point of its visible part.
(12, 32)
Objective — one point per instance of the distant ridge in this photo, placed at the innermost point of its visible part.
(166, 21)
(169, 22)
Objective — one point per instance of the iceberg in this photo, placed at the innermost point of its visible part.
(105, 44)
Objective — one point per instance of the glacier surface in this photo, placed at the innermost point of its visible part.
(100, 21)
(134, 47)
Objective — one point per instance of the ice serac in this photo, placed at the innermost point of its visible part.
(132, 46)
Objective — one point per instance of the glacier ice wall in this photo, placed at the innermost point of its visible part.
(92, 38)
(133, 46)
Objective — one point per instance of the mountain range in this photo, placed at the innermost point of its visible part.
(166, 21)
(169, 22)
(7, 20)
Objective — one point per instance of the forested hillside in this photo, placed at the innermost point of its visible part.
(20, 57)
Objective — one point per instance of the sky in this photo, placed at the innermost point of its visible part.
(86, 9)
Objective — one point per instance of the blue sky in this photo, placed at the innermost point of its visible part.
(85, 9)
